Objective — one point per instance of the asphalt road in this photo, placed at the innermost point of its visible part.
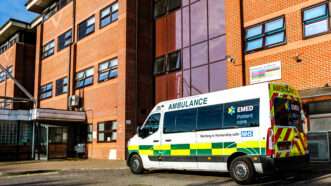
(122, 177)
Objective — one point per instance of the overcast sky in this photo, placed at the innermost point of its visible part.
(14, 9)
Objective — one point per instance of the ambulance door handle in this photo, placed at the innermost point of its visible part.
(155, 141)
(168, 140)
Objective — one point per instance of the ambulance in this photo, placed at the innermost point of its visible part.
(246, 131)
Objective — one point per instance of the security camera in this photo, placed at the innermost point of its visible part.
(230, 59)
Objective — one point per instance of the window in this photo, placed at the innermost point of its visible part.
(109, 15)
(159, 65)
(10, 71)
(90, 133)
(57, 135)
(161, 7)
(86, 27)
(180, 121)
(65, 40)
(46, 91)
(316, 20)
(108, 70)
(265, 35)
(169, 63)
(241, 114)
(84, 78)
(4, 75)
(174, 61)
(288, 113)
(61, 86)
(48, 49)
(151, 126)
(107, 131)
(210, 117)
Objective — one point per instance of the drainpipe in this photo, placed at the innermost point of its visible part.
(242, 30)
(72, 56)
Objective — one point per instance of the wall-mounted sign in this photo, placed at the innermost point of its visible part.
(265, 72)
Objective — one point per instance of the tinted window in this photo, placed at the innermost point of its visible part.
(180, 121)
(174, 61)
(287, 113)
(65, 40)
(159, 65)
(109, 15)
(241, 114)
(210, 117)
(86, 27)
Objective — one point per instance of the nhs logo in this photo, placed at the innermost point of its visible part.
(247, 133)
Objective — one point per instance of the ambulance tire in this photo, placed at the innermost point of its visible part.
(242, 170)
(136, 164)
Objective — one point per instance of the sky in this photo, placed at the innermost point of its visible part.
(14, 9)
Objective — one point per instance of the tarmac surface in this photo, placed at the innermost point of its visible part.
(115, 173)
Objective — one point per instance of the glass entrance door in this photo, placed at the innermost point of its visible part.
(41, 152)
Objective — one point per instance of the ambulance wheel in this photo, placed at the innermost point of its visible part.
(242, 170)
(136, 165)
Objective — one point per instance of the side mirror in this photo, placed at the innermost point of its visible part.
(138, 131)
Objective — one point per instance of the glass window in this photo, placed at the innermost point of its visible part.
(287, 113)
(65, 40)
(107, 131)
(46, 91)
(210, 117)
(241, 114)
(159, 65)
(108, 70)
(90, 133)
(48, 49)
(265, 35)
(109, 15)
(180, 121)
(174, 4)
(160, 7)
(2, 76)
(61, 86)
(174, 61)
(86, 27)
(316, 20)
(84, 78)
(10, 71)
(151, 126)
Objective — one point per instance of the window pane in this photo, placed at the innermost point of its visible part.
(316, 28)
(105, 12)
(217, 49)
(115, 7)
(199, 80)
(199, 54)
(198, 22)
(114, 62)
(274, 39)
(113, 73)
(160, 8)
(89, 72)
(90, 21)
(255, 44)
(159, 65)
(101, 127)
(174, 4)
(186, 120)
(315, 12)
(274, 25)
(254, 31)
(101, 137)
(105, 21)
(103, 76)
(210, 117)
(174, 62)
(103, 66)
(241, 114)
(180, 121)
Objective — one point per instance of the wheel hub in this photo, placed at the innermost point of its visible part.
(241, 170)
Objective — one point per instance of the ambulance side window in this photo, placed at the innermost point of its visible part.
(151, 126)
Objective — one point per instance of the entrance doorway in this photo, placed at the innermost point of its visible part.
(58, 141)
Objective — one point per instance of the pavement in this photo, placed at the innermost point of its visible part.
(116, 173)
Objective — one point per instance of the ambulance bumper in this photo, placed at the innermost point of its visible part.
(295, 163)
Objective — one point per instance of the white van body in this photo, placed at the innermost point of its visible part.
(213, 149)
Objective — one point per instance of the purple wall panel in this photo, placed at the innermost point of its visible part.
(186, 26)
(199, 54)
(216, 18)
(217, 49)
(218, 76)
(199, 21)
(200, 80)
